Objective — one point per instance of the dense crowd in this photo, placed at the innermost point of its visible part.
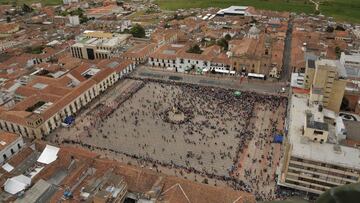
(216, 104)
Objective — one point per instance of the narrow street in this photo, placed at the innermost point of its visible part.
(286, 71)
(260, 86)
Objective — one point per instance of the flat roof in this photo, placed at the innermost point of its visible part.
(352, 130)
(349, 59)
(105, 40)
(334, 63)
(312, 123)
(233, 10)
(35, 192)
(325, 153)
(297, 80)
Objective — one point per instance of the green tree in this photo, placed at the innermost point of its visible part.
(138, 31)
(14, 3)
(210, 43)
(329, 29)
(78, 12)
(338, 51)
(227, 37)
(26, 8)
(178, 17)
(167, 25)
(195, 49)
(119, 2)
(223, 43)
(83, 19)
(340, 28)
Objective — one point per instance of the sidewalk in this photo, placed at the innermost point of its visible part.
(233, 82)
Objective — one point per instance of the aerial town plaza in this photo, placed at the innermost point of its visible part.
(164, 101)
(199, 132)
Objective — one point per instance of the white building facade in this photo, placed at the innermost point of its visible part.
(9, 148)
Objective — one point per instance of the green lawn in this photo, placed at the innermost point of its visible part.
(348, 10)
(344, 10)
(43, 2)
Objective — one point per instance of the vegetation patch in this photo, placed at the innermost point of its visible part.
(339, 9)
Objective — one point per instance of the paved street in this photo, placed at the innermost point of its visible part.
(286, 71)
(233, 82)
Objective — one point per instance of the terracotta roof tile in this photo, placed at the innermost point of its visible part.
(6, 139)
(102, 74)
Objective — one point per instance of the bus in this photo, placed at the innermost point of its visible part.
(256, 76)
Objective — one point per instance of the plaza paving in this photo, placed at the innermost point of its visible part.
(227, 137)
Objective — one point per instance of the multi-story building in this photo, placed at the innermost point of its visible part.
(251, 54)
(10, 144)
(44, 102)
(166, 36)
(315, 128)
(326, 81)
(176, 57)
(98, 45)
(351, 63)
(139, 53)
(315, 159)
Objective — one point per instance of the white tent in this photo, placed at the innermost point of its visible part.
(16, 184)
(48, 155)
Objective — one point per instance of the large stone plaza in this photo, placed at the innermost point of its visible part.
(208, 131)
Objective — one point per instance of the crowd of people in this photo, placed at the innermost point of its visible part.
(215, 119)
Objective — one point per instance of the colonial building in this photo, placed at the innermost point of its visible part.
(10, 144)
(176, 57)
(251, 54)
(43, 103)
(139, 53)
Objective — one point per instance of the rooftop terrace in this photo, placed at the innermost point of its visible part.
(325, 152)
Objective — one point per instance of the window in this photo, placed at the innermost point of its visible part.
(12, 151)
(317, 132)
(12, 127)
(4, 156)
(19, 146)
(315, 139)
